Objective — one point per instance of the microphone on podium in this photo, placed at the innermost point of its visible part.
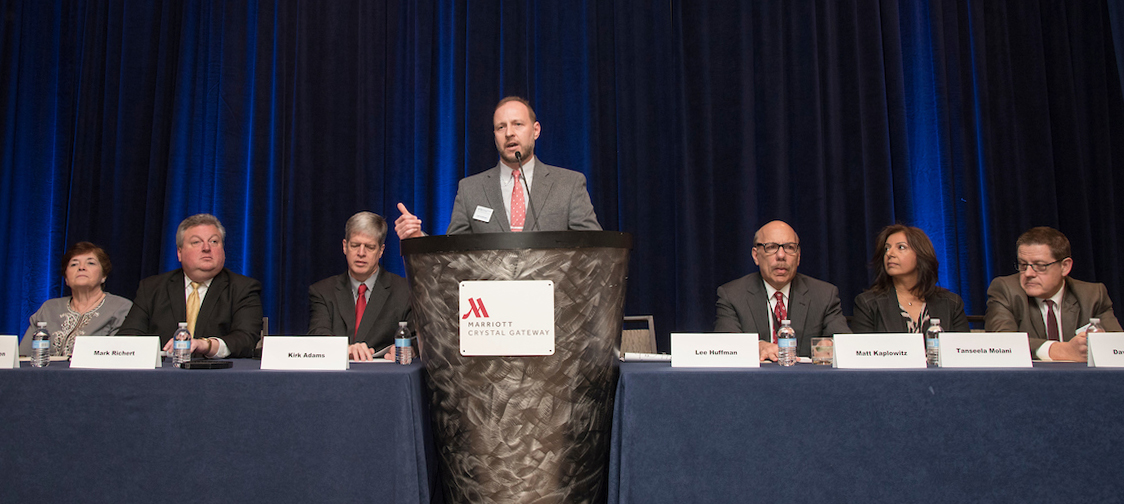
(523, 177)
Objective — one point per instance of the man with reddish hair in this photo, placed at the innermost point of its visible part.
(495, 202)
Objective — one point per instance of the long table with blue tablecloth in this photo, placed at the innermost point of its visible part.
(1051, 433)
(232, 435)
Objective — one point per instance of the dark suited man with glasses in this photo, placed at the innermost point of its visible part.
(1044, 302)
(756, 303)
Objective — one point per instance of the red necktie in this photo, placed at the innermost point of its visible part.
(518, 204)
(360, 305)
(780, 312)
(1052, 331)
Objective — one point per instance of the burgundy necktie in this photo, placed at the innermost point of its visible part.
(780, 312)
(518, 204)
(360, 305)
(1052, 331)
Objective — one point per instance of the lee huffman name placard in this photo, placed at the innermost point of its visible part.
(304, 353)
(984, 350)
(733, 350)
(879, 351)
(9, 352)
(1106, 349)
(507, 317)
(116, 352)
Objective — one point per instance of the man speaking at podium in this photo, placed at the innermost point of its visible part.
(519, 193)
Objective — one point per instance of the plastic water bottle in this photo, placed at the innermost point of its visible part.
(1094, 327)
(40, 346)
(403, 352)
(181, 345)
(933, 342)
(786, 345)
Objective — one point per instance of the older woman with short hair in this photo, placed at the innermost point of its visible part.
(88, 310)
(905, 295)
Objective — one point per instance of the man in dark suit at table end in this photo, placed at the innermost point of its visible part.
(495, 201)
(222, 308)
(756, 303)
(367, 302)
(1044, 302)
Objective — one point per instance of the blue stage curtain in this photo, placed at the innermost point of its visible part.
(695, 122)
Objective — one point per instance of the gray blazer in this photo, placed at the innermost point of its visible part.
(332, 309)
(1009, 309)
(813, 308)
(103, 320)
(880, 313)
(558, 195)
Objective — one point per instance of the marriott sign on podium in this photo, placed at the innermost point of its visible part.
(517, 333)
(517, 319)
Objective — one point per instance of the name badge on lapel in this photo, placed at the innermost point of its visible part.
(482, 214)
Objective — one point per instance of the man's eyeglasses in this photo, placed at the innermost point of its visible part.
(1038, 267)
(771, 248)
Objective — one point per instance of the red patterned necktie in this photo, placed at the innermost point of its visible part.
(518, 204)
(1052, 331)
(360, 305)
(780, 312)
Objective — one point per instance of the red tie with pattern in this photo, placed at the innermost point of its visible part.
(780, 312)
(360, 305)
(518, 204)
(1052, 331)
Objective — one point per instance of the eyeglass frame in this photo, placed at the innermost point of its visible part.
(765, 247)
(1038, 268)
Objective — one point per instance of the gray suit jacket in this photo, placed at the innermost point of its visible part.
(332, 309)
(1009, 309)
(813, 308)
(877, 313)
(558, 195)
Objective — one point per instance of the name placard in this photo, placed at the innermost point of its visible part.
(10, 352)
(879, 351)
(984, 350)
(733, 350)
(116, 352)
(304, 353)
(507, 317)
(1106, 349)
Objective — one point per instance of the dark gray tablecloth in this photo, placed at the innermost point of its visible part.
(235, 435)
(807, 434)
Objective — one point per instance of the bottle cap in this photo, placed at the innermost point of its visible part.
(1091, 321)
(40, 324)
(183, 325)
(402, 324)
(934, 321)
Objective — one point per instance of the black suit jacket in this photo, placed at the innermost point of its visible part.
(813, 308)
(231, 310)
(1009, 309)
(332, 309)
(879, 313)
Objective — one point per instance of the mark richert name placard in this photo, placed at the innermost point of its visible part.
(116, 352)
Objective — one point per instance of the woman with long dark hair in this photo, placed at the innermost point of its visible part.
(905, 295)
